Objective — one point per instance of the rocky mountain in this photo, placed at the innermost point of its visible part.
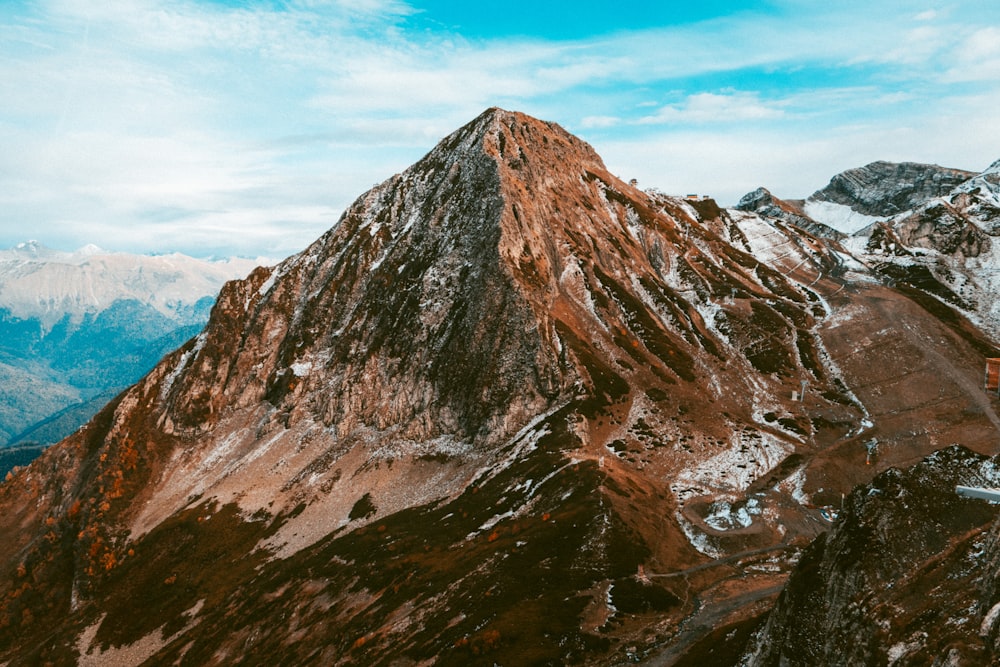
(925, 227)
(509, 409)
(765, 204)
(76, 326)
(907, 576)
(880, 190)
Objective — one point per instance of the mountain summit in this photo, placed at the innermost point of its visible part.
(509, 408)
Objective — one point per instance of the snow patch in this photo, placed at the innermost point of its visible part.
(842, 218)
(902, 649)
(750, 455)
(795, 485)
(301, 368)
(268, 284)
(698, 540)
(722, 516)
(182, 363)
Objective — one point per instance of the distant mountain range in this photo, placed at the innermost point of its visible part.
(929, 227)
(78, 327)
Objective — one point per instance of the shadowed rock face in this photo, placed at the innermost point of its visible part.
(765, 204)
(883, 189)
(403, 315)
(508, 409)
(907, 576)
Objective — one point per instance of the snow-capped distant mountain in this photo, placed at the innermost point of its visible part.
(37, 282)
(75, 326)
(856, 198)
(926, 226)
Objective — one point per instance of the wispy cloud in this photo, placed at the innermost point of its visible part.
(977, 58)
(730, 107)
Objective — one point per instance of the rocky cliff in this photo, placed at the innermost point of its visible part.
(883, 189)
(906, 576)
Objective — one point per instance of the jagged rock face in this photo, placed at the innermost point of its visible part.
(883, 189)
(459, 296)
(942, 227)
(950, 241)
(902, 579)
(960, 223)
(765, 204)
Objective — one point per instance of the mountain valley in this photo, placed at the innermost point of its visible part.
(77, 328)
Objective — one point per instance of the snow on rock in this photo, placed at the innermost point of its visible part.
(838, 216)
(698, 540)
(722, 515)
(301, 368)
(750, 455)
(794, 485)
(900, 650)
(37, 282)
(986, 185)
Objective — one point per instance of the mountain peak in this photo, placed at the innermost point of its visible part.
(514, 140)
(504, 374)
(29, 250)
(884, 189)
(444, 296)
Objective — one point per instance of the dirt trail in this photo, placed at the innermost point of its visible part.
(732, 558)
(709, 617)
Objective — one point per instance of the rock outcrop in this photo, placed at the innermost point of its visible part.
(765, 204)
(906, 576)
(884, 189)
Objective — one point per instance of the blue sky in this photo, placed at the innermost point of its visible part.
(218, 127)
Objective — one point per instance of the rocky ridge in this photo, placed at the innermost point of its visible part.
(934, 230)
(907, 575)
(765, 204)
(884, 189)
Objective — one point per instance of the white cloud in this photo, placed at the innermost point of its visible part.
(589, 122)
(715, 108)
(793, 161)
(977, 57)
